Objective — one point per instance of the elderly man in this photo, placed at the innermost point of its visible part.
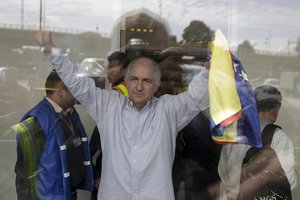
(138, 132)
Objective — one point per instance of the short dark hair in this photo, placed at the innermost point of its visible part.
(267, 97)
(121, 57)
(52, 82)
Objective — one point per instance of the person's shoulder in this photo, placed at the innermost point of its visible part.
(164, 99)
(43, 111)
(280, 137)
(279, 132)
(168, 102)
(43, 107)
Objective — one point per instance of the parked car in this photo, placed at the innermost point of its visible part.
(95, 68)
(14, 97)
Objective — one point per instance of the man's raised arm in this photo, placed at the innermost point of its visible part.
(44, 39)
(82, 87)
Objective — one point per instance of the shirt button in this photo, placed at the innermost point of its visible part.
(134, 161)
(134, 147)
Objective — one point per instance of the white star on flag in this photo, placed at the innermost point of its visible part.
(244, 75)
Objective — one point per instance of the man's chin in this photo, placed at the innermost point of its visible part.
(138, 100)
(139, 97)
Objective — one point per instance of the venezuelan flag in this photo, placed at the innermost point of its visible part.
(234, 116)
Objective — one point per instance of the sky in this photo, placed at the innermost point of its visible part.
(270, 25)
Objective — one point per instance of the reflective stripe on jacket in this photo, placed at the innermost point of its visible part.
(122, 88)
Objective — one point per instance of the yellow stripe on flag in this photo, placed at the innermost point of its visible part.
(223, 97)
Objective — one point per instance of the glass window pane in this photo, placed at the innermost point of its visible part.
(264, 35)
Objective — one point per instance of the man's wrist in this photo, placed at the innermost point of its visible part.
(52, 50)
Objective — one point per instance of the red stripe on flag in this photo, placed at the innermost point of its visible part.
(231, 119)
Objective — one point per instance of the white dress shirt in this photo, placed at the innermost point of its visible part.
(138, 147)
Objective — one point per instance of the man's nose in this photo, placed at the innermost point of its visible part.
(139, 86)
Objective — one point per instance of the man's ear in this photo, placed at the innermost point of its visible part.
(275, 112)
(157, 84)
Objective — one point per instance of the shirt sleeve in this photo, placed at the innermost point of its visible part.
(229, 168)
(185, 106)
(82, 88)
(284, 149)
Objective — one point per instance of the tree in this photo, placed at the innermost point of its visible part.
(197, 31)
(245, 48)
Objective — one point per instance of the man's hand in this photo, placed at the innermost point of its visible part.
(44, 39)
(97, 183)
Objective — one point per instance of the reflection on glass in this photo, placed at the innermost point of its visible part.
(264, 36)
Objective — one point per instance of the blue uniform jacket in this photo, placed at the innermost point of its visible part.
(53, 180)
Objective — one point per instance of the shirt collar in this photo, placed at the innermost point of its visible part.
(55, 106)
(263, 124)
(147, 104)
(59, 109)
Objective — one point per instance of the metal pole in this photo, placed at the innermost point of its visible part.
(41, 13)
(22, 14)
(44, 15)
(160, 10)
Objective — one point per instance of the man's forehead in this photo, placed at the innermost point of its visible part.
(114, 62)
(143, 61)
(142, 69)
(143, 64)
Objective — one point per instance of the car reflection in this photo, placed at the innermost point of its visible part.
(14, 97)
(96, 68)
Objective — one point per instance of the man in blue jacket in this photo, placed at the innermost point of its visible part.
(53, 159)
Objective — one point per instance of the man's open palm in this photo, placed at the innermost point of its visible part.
(43, 38)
